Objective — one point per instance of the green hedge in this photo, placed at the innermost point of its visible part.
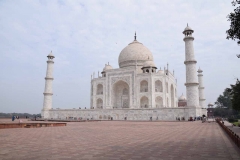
(231, 120)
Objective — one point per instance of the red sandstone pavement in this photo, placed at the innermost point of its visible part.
(119, 140)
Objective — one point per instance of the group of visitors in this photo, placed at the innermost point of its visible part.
(15, 117)
(85, 108)
(203, 118)
(180, 119)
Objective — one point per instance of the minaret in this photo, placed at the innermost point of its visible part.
(201, 89)
(47, 103)
(191, 73)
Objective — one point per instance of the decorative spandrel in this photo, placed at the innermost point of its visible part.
(125, 79)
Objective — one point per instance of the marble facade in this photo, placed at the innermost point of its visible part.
(137, 90)
(165, 114)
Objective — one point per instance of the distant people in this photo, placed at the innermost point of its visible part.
(190, 119)
(13, 118)
(203, 118)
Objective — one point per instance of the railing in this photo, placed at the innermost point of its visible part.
(232, 135)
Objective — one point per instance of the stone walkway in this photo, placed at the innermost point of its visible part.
(118, 140)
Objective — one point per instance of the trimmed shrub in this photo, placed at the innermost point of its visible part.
(231, 120)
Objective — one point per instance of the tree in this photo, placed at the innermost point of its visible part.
(224, 101)
(234, 17)
(235, 93)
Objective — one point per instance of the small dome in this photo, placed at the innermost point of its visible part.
(188, 29)
(160, 71)
(135, 51)
(210, 104)
(199, 70)
(107, 67)
(149, 64)
(182, 98)
(51, 55)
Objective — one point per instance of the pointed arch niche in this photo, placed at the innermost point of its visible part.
(144, 86)
(166, 87)
(172, 96)
(159, 102)
(144, 102)
(167, 103)
(99, 103)
(99, 89)
(175, 92)
(120, 95)
(158, 86)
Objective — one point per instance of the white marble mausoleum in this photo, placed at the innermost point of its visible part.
(137, 90)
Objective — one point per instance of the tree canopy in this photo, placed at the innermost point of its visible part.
(234, 17)
(235, 93)
(228, 104)
(224, 100)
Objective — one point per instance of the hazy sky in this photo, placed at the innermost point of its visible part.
(84, 35)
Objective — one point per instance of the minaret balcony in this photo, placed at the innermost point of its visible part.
(191, 84)
(190, 62)
(48, 78)
(188, 38)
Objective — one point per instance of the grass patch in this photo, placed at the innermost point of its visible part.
(236, 123)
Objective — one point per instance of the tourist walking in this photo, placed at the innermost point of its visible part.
(13, 118)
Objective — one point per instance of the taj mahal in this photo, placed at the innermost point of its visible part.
(137, 90)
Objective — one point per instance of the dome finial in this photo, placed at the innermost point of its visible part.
(135, 37)
(50, 55)
(187, 24)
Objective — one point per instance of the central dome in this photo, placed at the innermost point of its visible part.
(134, 51)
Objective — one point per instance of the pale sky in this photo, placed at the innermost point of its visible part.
(84, 35)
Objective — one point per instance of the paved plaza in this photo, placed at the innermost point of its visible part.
(119, 140)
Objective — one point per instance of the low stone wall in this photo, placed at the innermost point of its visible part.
(232, 135)
(30, 125)
(166, 114)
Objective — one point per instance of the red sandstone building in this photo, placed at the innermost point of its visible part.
(182, 101)
(210, 110)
